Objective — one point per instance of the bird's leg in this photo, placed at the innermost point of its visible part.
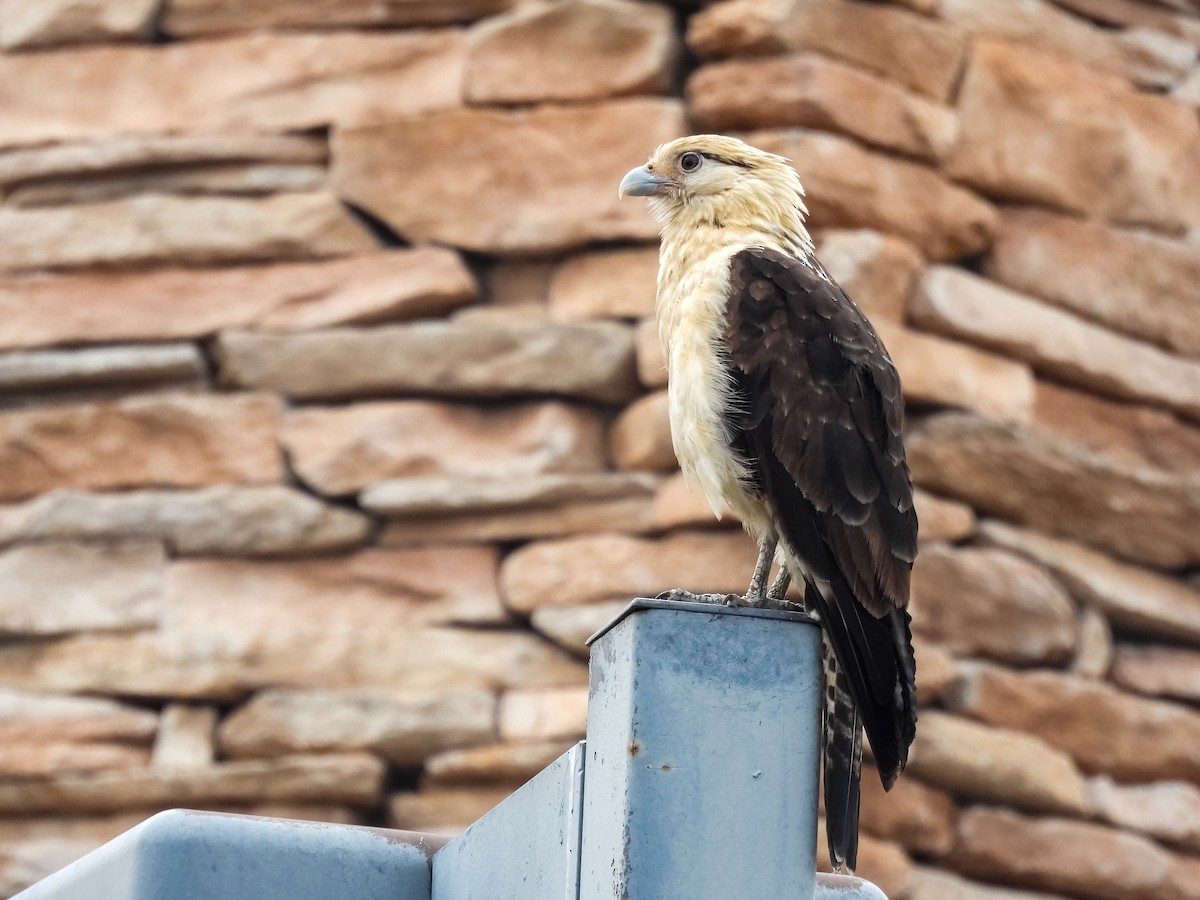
(779, 587)
(756, 595)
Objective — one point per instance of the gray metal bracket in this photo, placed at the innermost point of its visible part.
(188, 855)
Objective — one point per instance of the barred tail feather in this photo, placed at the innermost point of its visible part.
(842, 737)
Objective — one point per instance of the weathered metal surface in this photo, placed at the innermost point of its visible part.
(186, 855)
(701, 776)
(527, 848)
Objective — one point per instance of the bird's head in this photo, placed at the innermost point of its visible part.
(713, 180)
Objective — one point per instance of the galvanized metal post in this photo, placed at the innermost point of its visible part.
(701, 758)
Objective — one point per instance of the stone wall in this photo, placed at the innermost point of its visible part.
(333, 418)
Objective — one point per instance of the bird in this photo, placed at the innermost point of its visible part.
(786, 409)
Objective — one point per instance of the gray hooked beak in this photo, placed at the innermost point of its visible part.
(641, 182)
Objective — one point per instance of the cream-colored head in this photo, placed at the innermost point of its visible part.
(712, 181)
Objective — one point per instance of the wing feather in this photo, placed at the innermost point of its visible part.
(826, 449)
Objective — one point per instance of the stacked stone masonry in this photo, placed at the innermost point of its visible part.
(333, 419)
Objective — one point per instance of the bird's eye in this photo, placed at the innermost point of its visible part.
(690, 162)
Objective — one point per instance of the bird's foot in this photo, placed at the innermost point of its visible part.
(681, 596)
(756, 599)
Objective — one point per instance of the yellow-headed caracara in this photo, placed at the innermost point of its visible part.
(786, 408)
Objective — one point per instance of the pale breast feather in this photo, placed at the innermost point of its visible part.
(691, 312)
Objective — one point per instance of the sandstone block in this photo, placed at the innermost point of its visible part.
(875, 270)
(1188, 91)
(410, 497)
(222, 521)
(519, 283)
(342, 450)
(35, 23)
(1130, 436)
(1135, 600)
(49, 370)
(60, 587)
(982, 763)
(914, 816)
(640, 438)
(178, 303)
(1157, 60)
(625, 515)
(256, 83)
(455, 509)
(188, 18)
(570, 626)
(1032, 479)
(587, 50)
(1076, 858)
(935, 884)
(1166, 810)
(556, 714)
(1130, 12)
(918, 52)
(1042, 26)
(1103, 729)
(993, 604)
(21, 760)
(44, 734)
(1041, 128)
(351, 778)
(850, 187)
(511, 764)
(947, 373)
(942, 521)
(593, 360)
(112, 157)
(32, 718)
(1137, 283)
(158, 228)
(177, 440)
(506, 182)
(1159, 671)
(384, 589)
(806, 90)
(185, 737)
(444, 811)
(404, 728)
(602, 284)
(547, 573)
(956, 303)
(213, 666)
(223, 179)
(1094, 653)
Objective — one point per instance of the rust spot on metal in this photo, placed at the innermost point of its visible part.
(634, 748)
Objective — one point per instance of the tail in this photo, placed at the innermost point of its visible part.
(842, 739)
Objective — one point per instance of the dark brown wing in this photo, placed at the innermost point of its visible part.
(819, 415)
